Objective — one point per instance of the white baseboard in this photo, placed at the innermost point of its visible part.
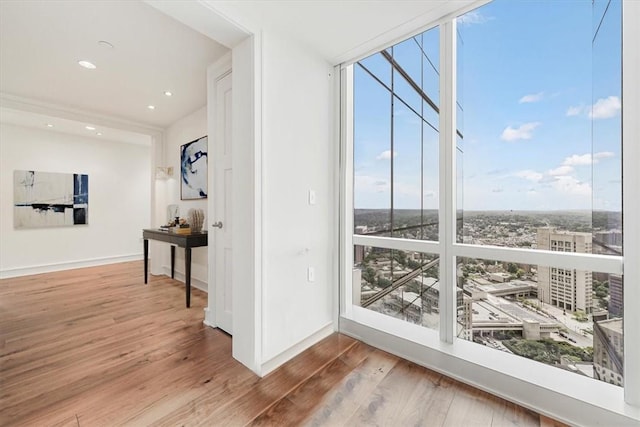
(209, 318)
(67, 265)
(179, 276)
(296, 349)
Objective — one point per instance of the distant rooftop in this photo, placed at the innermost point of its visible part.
(554, 230)
(614, 325)
(513, 286)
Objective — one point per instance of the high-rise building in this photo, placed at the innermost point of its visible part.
(608, 351)
(565, 288)
(358, 254)
(465, 318)
(616, 299)
(610, 238)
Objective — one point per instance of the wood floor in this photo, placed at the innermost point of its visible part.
(97, 347)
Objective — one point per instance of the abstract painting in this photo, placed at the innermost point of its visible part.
(49, 199)
(193, 169)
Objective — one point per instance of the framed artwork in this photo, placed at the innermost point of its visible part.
(193, 169)
(50, 199)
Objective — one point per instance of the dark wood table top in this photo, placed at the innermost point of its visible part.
(193, 240)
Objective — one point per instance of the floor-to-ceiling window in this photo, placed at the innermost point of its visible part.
(494, 217)
(542, 171)
(395, 190)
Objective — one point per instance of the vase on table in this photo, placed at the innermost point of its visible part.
(196, 219)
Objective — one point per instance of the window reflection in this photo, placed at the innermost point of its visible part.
(396, 140)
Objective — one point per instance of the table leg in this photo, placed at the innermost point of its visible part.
(187, 274)
(146, 258)
(173, 261)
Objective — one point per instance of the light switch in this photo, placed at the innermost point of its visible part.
(311, 274)
(312, 197)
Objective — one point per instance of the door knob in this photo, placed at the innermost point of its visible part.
(217, 224)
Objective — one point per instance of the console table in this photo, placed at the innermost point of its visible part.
(186, 241)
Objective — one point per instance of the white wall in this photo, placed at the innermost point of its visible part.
(179, 133)
(282, 142)
(119, 201)
(297, 156)
(246, 202)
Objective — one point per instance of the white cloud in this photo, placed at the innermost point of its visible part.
(571, 185)
(566, 184)
(605, 108)
(575, 111)
(561, 170)
(578, 160)
(530, 175)
(586, 159)
(523, 132)
(534, 97)
(386, 155)
(602, 155)
(473, 17)
(562, 178)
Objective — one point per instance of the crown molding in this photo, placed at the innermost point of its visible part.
(35, 106)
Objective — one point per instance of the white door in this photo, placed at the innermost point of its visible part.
(222, 222)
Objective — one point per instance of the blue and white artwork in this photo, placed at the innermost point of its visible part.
(50, 199)
(193, 169)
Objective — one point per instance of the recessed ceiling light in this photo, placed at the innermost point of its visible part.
(89, 127)
(168, 93)
(151, 107)
(86, 64)
(105, 44)
(99, 133)
(49, 125)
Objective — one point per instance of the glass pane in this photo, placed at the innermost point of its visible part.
(400, 284)
(408, 56)
(430, 116)
(406, 93)
(431, 64)
(552, 315)
(396, 152)
(539, 151)
(599, 8)
(430, 182)
(460, 191)
(377, 65)
(460, 82)
(372, 155)
(460, 138)
(607, 128)
(407, 165)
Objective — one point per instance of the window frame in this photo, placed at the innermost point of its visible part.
(625, 400)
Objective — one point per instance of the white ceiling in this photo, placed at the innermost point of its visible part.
(339, 30)
(41, 43)
(156, 49)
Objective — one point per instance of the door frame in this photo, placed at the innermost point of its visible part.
(215, 71)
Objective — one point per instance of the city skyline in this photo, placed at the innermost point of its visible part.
(552, 315)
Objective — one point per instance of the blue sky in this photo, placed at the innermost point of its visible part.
(541, 119)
